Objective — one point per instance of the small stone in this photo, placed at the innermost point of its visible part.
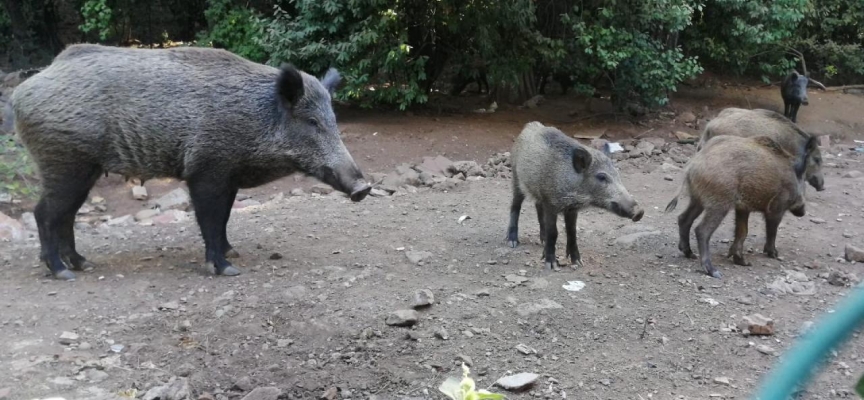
(206, 396)
(668, 178)
(297, 192)
(765, 349)
(817, 221)
(468, 334)
(423, 298)
(120, 221)
(330, 394)
(170, 217)
(176, 389)
(842, 279)
(96, 376)
(525, 349)
(171, 305)
(185, 326)
(526, 309)
(517, 382)
(264, 393)
(605, 382)
(722, 380)
(416, 257)
(516, 279)
(276, 256)
(402, 318)
(139, 193)
(687, 117)
(852, 174)
(244, 384)
(176, 199)
(67, 338)
(482, 293)
(117, 348)
(847, 235)
(321, 189)
(758, 324)
(442, 334)
(854, 254)
(85, 346)
(282, 343)
(465, 359)
(375, 192)
(146, 214)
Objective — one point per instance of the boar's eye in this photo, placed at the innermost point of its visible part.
(602, 178)
(313, 122)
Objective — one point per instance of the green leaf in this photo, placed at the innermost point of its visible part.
(859, 387)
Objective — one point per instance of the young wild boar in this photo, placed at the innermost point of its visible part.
(562, 176)
(753, 174)
(206, 116)
(747, 123)
(793, 89)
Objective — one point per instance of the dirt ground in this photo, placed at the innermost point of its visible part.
(321, 275)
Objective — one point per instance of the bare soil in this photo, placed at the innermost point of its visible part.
(321, 274)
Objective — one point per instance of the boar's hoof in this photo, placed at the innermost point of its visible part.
(360, 194)
(64, 275)
(739, 260)
(551, 265)
(513, 243)
(228, 270)
(771, 253)
(716, 274)
(83, 266)
(231, 253)
(577, 263)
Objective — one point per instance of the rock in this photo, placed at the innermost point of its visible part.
(598, 143)
(62, 381)
(632, 239)
(176, 199)
(468, 168)
(121, 221)
(321, 189)
(538, 284)
(264, 393)
(854, 254)
(526, 309)
(757, 324)
(244, 384)
(296, 192)
(517, 279)
(839, 278)
(435, 166)
(534, 101)
(245, 203)
(176, 389)
(139, 193)
(847, 235)
(276, 256)
(417, 257)
(68, 338)
(375, 192)
(793, 284)
(170, 217)
(10, 229)
(146, 214)
(684, 135)
(465, 359)
(85, 346)
(525, 349)
(330, 394)
(642, 149)
(795, 276)
(817, 221)
(765, 349)
(402, 318)
(517, 382)
(687, 117)
(423, 298)
(206, 396)
(666, 167)
(186, 325)
(722, 380)
(28, 220)
(282, 343)
(96, 376)
(442, 334)
(171, 305)
(852, 174)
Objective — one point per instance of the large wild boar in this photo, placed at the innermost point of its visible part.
(563, 176)
(748, 123)
(754, 174)
(206, 116)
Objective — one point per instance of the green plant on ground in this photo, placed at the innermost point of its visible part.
(464, 389)
(16, 170)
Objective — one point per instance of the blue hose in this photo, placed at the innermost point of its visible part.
(799, 364)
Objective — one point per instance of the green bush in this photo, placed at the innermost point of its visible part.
(234, 28)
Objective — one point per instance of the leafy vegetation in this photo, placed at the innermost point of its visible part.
(466, 389)
(235, 28)
(16, 170)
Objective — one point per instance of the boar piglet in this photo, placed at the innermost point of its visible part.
(752, 174)
(206, 116)
(759, 122)
(563, 176)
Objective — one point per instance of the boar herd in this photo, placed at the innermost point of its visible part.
(222, 123)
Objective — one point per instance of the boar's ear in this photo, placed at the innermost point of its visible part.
(331, 80)
(289, 85)
(581, 159)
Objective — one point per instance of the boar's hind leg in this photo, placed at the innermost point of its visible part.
(709, 224)
(212, 202)
(570, 227)
(685, 222)
(229, 250)
(515, 209)
(541, 218)
(550, 228)
(65, 188)
(736, 250)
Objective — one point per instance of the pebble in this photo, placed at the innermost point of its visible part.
(525, 349)
(852, 174)
(264, 393)
(330, 394)
(68, 338)
(171, 305)
(281, 343)
(85, 346)
(185, 325)
(817, 221)
(139, 193)
(758, 324)
(854, 253)
(146, 214)
(176, 199)
(423, 298)
(176, 389)
(722, 380)
(402, 318)
(442, 334)
(465, 359)
(515, 279)
(96, 376)
(765, 349)
(416, 257)
(276, 256)
(668, 178)
(517, 382)
(244, 384)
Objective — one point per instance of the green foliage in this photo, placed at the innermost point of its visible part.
(236, 28)
(16, 170)
(97, 17)
(465, 389)
(859, 387)
(832, 37)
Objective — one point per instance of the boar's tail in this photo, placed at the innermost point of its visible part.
(8, 120)
(674, 203)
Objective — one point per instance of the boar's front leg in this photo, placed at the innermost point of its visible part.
(772, 223)
(229, 250)
(550, 228)
(736, 251)
(713, 218)
(212, 199)
(685, 222)
(515, 209)
(570, 216)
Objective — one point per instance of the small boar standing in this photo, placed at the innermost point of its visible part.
(793, 89)
(748, 123)
(753, 174)
(562, 176)
(206, 116)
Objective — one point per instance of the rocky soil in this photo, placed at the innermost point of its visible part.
(387, 298)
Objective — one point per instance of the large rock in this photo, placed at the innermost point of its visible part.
(518, 382)
(852, 253)
(402, 318)
(11, 229)
(175, 389)
(175, 199)
(435, 165)
(423, 298)
(468, 168)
